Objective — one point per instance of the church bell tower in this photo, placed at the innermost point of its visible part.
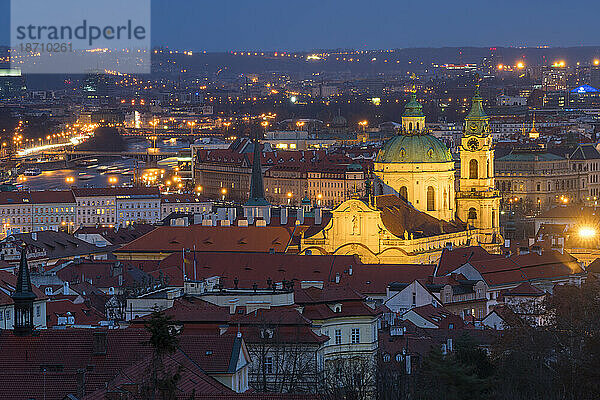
(23, 298)
(477, 202)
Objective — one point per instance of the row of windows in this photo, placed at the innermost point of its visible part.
(96, 203)
(354, 336)
(7, 314)
(138, 205)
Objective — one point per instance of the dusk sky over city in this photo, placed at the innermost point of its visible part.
(314, 24)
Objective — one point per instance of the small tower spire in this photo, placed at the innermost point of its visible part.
(257, 189)
(23, 298)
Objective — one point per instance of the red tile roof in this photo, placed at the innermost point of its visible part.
(8, 282)
(525, 289)
(62, 353)
(439, 316)
(192, 379)
(83, 314)
(211, 238)
(499, 270)
(452, 259)
(118, 235)
(353, 308)
(52, 196)
(329, 294)
(215, 354)
(399, 217)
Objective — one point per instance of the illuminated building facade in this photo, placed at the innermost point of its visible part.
(409, 221)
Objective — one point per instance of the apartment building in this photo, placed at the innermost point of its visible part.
(22, 212)
(116, 206)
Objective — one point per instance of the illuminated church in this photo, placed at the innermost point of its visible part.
(416, 211)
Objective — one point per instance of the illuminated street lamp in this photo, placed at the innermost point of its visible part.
(319, 197)
(191, 124)
(69, 179)
(586, 232)
(289, 197)
(113, 180)
(363, 124)
(223, 192)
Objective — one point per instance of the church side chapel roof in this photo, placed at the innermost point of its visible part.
(399, 217)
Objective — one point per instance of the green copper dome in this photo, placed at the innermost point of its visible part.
(414, 149)
(477, 112)
(413, 108)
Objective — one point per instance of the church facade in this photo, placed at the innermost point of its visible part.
(416, 211)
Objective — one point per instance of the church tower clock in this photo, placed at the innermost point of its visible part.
(477, 202)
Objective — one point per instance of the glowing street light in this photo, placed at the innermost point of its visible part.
(596, 62)
(113, 180)
(191, 124)
(69, 179)
(363, 124)
(586, 232)
(223, 192)
(520, 65)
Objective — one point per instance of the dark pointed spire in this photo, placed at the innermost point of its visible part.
(257, 189)
(23, 298)
(23, 290)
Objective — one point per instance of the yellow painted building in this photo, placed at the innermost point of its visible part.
(417, 212)
(389, 231)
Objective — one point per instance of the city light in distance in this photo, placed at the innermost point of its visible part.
(520, 65)
(596, 62)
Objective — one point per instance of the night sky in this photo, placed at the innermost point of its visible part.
(221, 25)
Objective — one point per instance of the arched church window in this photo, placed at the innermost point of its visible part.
(418, 126)
(410, 126)
(493, 219)
(472, 213)
(473, 167)
(430, 198)
(488, 169)
(403, 193)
